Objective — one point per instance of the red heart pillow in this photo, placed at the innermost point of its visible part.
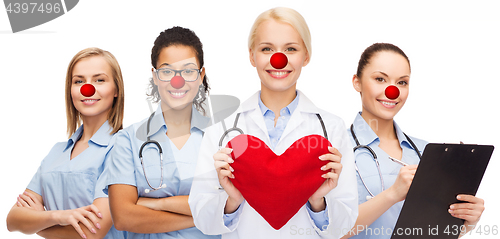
(277, 186)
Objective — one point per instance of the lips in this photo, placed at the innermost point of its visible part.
(278, 74)
(89, 101)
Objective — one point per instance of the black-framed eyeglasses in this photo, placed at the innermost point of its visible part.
(189, 75)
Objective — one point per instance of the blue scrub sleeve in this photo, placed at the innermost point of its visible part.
(320, 219)
(120, 169)
(230, 220)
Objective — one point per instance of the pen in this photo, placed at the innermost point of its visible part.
(398, 161)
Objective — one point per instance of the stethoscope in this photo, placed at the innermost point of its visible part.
(358, 145)
(235, 128)
(160, 150)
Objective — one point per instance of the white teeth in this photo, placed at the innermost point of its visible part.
(279, 73)
(388, 103)
(178, 93)
(89, 100)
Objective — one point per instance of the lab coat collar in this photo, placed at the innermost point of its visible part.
(101, 137)
(157, 122)
(304, 104)
(252, 107)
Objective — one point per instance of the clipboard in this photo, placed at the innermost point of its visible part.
(444, 171)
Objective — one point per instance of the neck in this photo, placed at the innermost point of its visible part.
(383, 128)
(91, 125)
(177, 117)
(277, 100)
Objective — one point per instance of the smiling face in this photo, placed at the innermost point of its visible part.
(385, 68)
(271, 37)
(177, 57)
(93, 70)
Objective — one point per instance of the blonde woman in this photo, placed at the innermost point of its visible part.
(278, 115)
(65, 198)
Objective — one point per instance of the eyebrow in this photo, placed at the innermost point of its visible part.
(95, 75)
(189, 63)
(385, 74)
(289, 43)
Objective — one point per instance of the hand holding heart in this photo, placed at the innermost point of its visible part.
(317, 200)
(224, 172)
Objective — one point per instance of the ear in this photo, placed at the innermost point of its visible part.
(356, 83)
(306, 61)
(155, 80)
(202, 75)
(251, 57)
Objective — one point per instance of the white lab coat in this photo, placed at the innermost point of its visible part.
(207, 201)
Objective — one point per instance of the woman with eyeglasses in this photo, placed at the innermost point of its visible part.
(149, 182)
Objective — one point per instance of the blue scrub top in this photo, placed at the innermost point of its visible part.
(66, 183)
(178, 165)
(383, 227)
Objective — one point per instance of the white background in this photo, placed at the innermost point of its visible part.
(453, 47)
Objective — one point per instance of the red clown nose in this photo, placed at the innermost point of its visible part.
(392, 92)
(177, 82)
(87, 90)
(279, 60)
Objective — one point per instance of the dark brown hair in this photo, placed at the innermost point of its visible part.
(372, 50)
(183, 37)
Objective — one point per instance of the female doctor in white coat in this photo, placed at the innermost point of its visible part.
(278, 115)
(380, 66)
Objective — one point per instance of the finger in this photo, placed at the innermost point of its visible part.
(470, 198)
(334, 151)
(330, 157)
(467, 217)
(27, 199)
(223, 157)
(29, 195)
(78, 229)
(220, 165)
(85, 222)
(95, 209)
(331, 175)
(226, 173)
(225, 151)
(22, 202)
(336, 167)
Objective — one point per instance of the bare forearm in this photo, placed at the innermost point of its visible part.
(29, 221)
(370, 211)
(140, 219)
(69, 232)
(177, 204)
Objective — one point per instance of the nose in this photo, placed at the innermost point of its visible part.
(177, 82)
(279, 60)
(87, 90)
(392, 92)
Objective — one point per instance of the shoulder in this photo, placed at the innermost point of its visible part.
(420, 143)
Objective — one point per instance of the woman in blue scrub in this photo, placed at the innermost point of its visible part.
(149, 195)
(65, 198)
(382, 65)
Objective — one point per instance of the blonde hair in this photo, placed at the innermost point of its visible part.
(286, 15)
(115, 116)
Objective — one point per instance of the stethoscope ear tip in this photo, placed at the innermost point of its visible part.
(146, 190)
(164, 185)
(368, 197)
